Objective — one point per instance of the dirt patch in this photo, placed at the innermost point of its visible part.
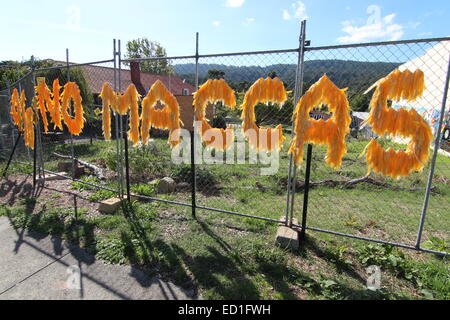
(55, 194)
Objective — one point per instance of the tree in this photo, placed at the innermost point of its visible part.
(216, 74)
(145, 48)
(272, 74)
(360, 102)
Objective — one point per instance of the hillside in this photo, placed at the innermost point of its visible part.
(356, 75)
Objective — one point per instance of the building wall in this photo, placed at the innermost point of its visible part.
(187, 111)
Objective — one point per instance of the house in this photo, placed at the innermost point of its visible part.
(434, 64)
(96, 76)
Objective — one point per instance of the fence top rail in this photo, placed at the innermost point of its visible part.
(74, 65)
(308, 48)
(211, 55)
(374, 44)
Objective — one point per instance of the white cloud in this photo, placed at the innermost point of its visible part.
(376, 28)
(235, 3)
(216, 23)
(414, 25)
(250, 20)
(298, 11)
(424, 34)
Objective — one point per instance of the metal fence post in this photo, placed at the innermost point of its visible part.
(71, 136)
(297, 94)
(116, 121)
(38, 149)
(437, 143)
(306, 191)
(193, 171)
(124, 135)
(120, 122)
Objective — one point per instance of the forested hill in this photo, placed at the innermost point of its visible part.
(356, 75)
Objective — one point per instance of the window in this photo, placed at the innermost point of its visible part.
(185, 92)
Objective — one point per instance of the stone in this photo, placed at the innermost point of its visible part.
(109, 205)
(166, 185)
(287, 238)
(183, 186)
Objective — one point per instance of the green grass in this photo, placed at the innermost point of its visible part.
(230, 257)
(224, 257)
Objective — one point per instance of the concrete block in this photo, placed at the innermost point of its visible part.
(109, 205)
(287, 238)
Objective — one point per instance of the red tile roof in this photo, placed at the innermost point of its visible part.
(97, 75)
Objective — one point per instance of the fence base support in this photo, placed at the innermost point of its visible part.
(12, 153)
(287, 238)
(306, 192)
(193, 175)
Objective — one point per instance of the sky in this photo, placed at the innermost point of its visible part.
(46, 28)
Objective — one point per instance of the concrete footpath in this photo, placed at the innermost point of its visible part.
(37, 267)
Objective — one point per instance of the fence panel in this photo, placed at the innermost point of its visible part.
(151, 163)
(59, 146)
(382, 208)
(9, 131)
(242, 180)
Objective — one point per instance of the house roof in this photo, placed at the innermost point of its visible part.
(97, 75)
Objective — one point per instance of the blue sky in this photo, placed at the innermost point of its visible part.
(46, 28)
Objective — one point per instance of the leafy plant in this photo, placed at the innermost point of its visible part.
(390, 258)
(143, 189)
(111, 249)
(80, 186)
(437, 244)
(204, 176)
(100, 195)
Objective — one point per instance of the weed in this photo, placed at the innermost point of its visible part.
(100, 195)
(111, 249)
(437, 244)
(80, 186)
(143, 189)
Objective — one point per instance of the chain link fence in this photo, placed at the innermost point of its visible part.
(381, 209)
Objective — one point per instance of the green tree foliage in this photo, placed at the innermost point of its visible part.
(354, 75)
(11, 71)
(359, 102)
(76, 75)
(272, 74)
(216, 74)
(145, 48)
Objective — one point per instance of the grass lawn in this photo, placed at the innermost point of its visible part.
(228, 257)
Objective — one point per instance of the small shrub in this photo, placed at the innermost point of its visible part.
(437, 244)
(100, 195)
(204, 176)
(111, 249)
(390, 258)
(143, 189)
(80, 186)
